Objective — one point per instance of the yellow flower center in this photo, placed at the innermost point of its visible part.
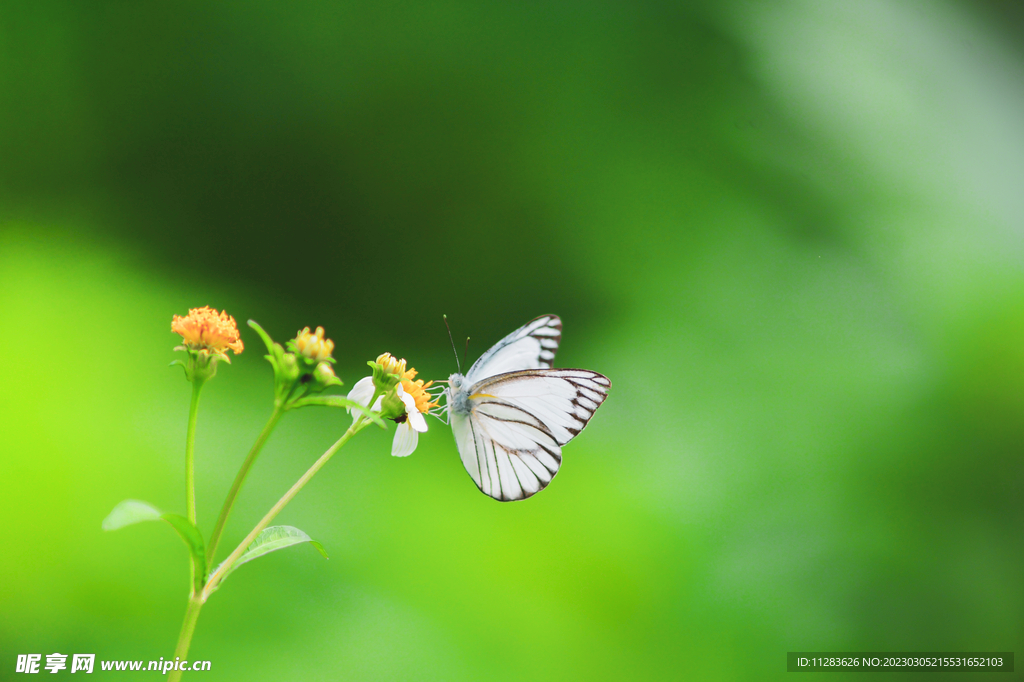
(391, 364)
(418, 390)
(313, 345)
(204, 328)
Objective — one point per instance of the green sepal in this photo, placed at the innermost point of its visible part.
(201, 364)
(293, 346)
(129, 512)
(181, 362)
(270, 540)
(383, 381)
(338, 401)
(290, 368)
(392, 406)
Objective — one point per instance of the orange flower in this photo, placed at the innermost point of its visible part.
(206, 329)
(418, 391)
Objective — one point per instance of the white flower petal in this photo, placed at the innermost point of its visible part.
(361, 392)
(405, 440)
(407, 400)
(415, 420)
(413, 417)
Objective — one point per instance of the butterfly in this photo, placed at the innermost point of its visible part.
(512, 413)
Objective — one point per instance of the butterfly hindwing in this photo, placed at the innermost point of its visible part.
(511, 443)
(503, 473)
(532, 346)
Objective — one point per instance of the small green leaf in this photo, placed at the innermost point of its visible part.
(128, 512)
(338, 401)
(193, 539)
(265, 336)
(271, 540)
(135, 511)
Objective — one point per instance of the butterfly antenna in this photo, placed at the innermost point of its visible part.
(466, 354)
(457, 364)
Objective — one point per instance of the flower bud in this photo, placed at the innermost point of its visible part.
(289, 367)
(313, 346)
(324, 375)
(390, 364)
(392, 407)
(383, 380)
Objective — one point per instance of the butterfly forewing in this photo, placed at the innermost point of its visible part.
(561, 400)
(532, 346)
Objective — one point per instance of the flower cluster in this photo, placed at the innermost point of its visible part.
(314, 347)
(396, 396)
(206, 330)
(303, 370)
(313, 353)
(207, 335)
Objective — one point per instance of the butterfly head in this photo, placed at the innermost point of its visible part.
(458, 398)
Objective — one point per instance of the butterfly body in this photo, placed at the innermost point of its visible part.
(458, 398)
(512, 412)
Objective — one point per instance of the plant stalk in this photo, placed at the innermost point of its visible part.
(236, 487)
(188, 628)
(190, 470)
(190, 451)
(218, 575)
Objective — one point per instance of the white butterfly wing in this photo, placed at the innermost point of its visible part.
(511, 440)
(532, 346)
(504, 475)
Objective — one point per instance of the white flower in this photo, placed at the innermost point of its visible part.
(361, 393)
(408, 431)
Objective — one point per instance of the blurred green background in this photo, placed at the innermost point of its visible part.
(790, 233)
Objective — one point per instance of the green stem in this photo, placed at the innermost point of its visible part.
(190, 469)
(188, 628)
(236, 487)
(218, 575)
(190, 450)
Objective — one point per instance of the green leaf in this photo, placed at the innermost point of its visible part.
(286, 369)
(193, 539)
(338, 401)
(271, 540)
(265, 336)
(274, 350)
(129, 512)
